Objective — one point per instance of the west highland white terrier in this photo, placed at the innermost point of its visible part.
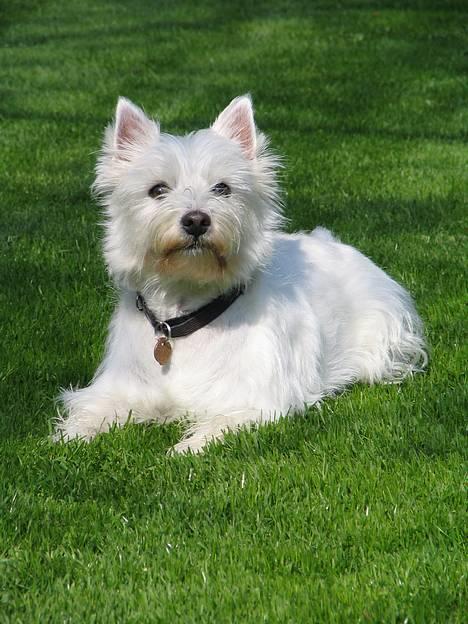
(222, 319)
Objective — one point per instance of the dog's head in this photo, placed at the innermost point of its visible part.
(197, 210)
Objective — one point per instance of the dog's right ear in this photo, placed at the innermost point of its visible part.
(131, 132)
(132, 128)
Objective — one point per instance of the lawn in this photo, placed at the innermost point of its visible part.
(352, 513)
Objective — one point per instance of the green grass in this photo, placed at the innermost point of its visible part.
(354, 513)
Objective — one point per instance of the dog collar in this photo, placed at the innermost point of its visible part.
(185, 325)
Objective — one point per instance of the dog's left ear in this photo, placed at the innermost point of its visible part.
(236, 122)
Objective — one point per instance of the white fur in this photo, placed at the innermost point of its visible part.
(315, 317)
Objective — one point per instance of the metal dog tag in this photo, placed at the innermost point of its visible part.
(162, 350)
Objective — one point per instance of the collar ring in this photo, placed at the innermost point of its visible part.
(165, 329)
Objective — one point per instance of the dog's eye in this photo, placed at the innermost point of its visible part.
(221, 189)
(158, 190)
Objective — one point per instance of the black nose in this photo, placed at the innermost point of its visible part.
(196, 222)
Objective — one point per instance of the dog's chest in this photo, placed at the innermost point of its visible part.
(218, 362)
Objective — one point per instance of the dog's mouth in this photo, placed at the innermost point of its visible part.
(196, 248)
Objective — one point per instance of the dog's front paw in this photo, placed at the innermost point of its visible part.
(87, 412)
(188, 445)
(76, 429)
(192, 444)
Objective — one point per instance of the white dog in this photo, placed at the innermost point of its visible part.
(223, 319)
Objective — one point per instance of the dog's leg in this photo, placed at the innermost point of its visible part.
(95, 409)
(88, 412)
(208, 427)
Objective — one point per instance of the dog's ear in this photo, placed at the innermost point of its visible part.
(132, 127)
(236, 122)
(131, 132)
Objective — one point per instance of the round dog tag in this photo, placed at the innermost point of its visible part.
(162, 350)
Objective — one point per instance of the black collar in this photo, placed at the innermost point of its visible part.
(185, 325)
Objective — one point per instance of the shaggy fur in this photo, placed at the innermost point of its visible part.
(316, 315)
